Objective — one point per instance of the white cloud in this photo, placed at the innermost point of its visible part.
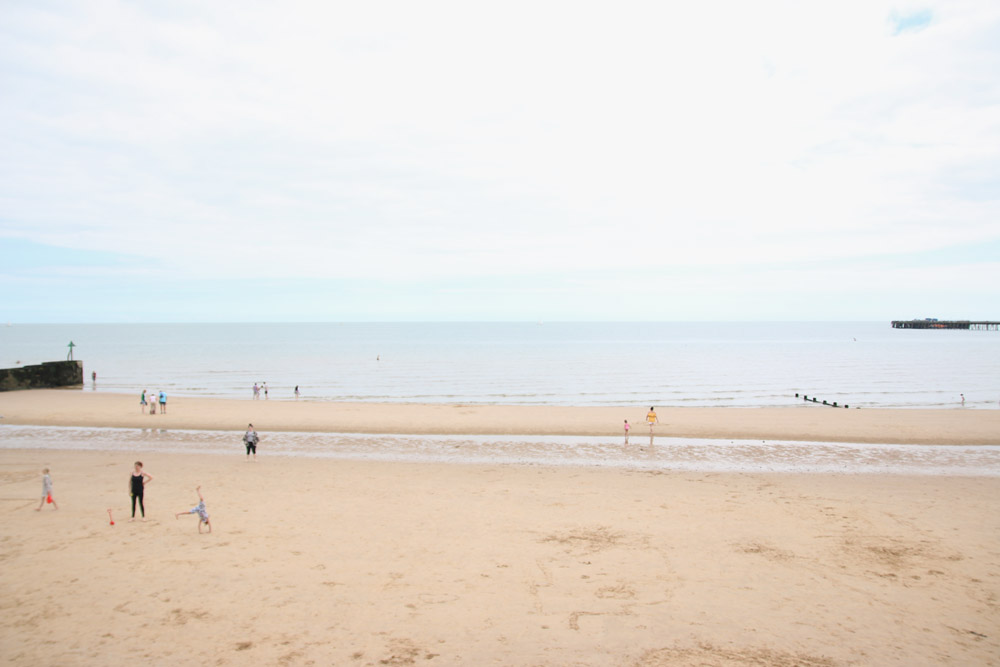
(416, 140)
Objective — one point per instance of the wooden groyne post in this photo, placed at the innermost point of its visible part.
(806, 398)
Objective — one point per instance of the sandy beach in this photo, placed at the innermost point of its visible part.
(366, 563)
(58, 407)
(355, 562)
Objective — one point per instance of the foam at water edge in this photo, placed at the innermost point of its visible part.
(666, 454)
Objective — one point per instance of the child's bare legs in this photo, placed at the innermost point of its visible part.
(201, 498)
(55, 505)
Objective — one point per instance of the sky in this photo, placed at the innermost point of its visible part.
(383, 161)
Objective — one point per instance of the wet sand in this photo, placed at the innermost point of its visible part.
(798, 423)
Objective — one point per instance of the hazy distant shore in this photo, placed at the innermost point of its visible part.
(52, 407)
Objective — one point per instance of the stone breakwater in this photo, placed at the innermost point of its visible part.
(45, 375)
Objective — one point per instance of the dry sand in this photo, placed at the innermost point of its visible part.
(346, 562)
(366, 563)
(803, 423)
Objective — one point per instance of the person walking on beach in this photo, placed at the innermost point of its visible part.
(46, 491)
(250, 439)
(296, 391)
(163, 402)
(627, 427)
(653, 420)
(200, 511)
(256, 391)
(142, 402)
(963, 399)
(152, 404)
(137, 484)
(265, 391)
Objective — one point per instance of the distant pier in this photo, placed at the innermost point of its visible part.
(946, 324)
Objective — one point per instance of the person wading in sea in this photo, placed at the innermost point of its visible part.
(250, 439)
(653, 420)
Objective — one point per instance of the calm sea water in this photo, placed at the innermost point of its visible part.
(864, 364)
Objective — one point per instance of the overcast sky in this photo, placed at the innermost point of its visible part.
(315, 161)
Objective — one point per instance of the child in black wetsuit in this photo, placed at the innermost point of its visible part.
(137, 483)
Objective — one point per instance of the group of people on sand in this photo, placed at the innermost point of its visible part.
(137, 485)
(152, 401)
(137, 488)
(651, 419)
(140, 478)
(262, 387)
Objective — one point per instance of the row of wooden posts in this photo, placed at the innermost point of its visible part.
(816, 400)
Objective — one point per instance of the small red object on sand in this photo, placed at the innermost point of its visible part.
(49, 499)
(111, 518)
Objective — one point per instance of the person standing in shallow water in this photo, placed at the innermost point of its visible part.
(137, 484)
(627, 427)
(652, 419)
(250, 439)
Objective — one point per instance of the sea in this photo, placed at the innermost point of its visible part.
(663, 364)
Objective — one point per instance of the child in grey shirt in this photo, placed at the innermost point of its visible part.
(46, 491)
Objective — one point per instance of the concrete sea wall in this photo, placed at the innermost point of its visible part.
(45, 375)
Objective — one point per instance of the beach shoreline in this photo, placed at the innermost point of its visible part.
(60, 407)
